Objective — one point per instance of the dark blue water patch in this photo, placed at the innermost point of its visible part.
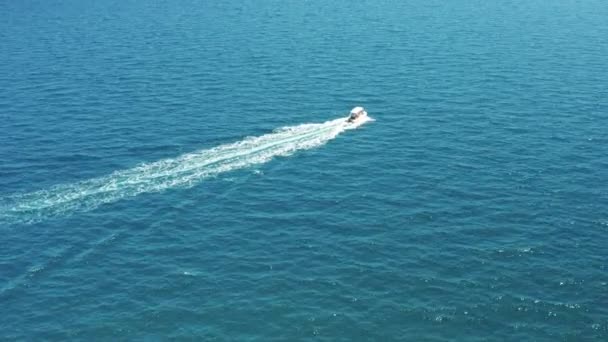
(473, 208)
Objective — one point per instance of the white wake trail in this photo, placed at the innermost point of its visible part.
(184, 171)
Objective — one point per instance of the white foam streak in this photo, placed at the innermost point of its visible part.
(184, 171)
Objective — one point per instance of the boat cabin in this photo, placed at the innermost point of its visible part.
(355, 113)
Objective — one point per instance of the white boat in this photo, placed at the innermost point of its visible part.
(357, 114)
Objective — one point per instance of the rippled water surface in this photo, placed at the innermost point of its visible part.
(181, 169)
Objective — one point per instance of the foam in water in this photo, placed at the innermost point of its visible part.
(184, 171)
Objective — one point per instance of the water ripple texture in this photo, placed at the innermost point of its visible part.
(181, 170)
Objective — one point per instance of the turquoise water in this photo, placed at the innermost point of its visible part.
(181, 169)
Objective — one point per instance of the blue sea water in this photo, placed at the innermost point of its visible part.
(180, 170)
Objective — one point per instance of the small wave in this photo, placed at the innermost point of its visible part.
(184, 171)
